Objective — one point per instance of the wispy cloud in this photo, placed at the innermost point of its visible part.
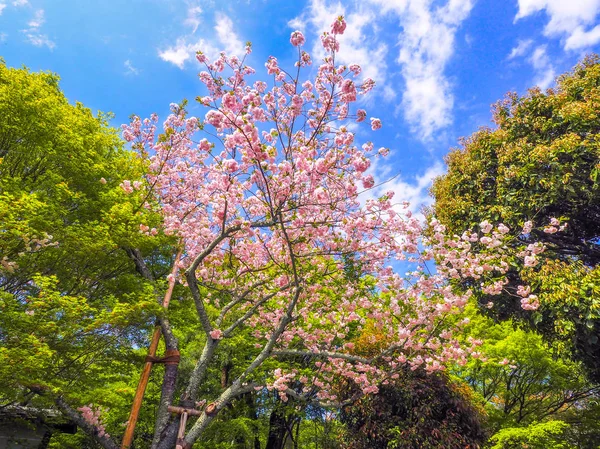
(545, 73)
(194, 13)
(185, 49)
(521, 49)
(426, 44)
(227, 36)
(3, 37)
(20, 2)
(568, 20)
(33, 34)
(130, 69)
(188, 44)
(413, 189)
(38, 19)
(2, 6)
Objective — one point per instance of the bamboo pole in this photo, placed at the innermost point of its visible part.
(145, 376)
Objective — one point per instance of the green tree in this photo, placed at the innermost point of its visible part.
(522, 381)
(546, 435)
(73, 308)
(540, 162)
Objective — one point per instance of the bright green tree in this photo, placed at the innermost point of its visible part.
(525, 384)
(73, 308)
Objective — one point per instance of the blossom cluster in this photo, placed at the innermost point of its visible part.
(93, 416)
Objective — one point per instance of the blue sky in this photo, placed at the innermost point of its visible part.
(439, 65)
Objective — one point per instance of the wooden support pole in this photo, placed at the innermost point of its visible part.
(145, 376)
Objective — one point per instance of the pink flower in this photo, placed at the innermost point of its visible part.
(530, 261)
(361, 115)
(530, 303)
(348, 91)
(383, 152)
(368, 85)
(102, 181)
(272, 67)
(368, 182)
(503, 229)
(297, 39)
(330, 43)
(375, 123)
(216, 334)
(201, 57)
(355, 68)
(527, 227)
(230, 165)
(485, 227)
(338, 26)
(126, 186)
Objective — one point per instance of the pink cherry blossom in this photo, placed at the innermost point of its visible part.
(216, 334)
(297, 39)
(338, 26)
(527, 227)
(361, 115)
(126, 186)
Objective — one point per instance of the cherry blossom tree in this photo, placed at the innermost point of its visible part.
(266, 195)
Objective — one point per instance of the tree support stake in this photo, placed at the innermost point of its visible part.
(171, 357)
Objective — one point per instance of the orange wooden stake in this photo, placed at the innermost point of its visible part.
(143, 383)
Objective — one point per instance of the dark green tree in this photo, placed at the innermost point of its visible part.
(540, 162)
(417, 410)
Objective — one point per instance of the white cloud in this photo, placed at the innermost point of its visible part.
(39, 40)
(545, 73)
(580, 38)
(227, 36)
(33, 34)
(185, 49)
(182, 51)
(2, 6)
(522, 47)
(193, 17)
(426, 45)
(20, 2)
(414, 189)
(130, 69)
(3, 37)
(186, 46)
(569, 20)
(38, 19)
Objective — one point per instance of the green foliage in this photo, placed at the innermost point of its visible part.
(546, 435)
(542, 161)
(73, 310)
(521, 377)
(522, 381)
